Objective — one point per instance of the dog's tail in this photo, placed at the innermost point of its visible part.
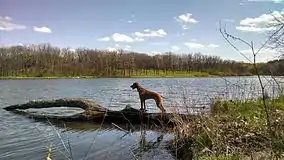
(164, 97)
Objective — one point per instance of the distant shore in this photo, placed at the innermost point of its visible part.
(191, 75)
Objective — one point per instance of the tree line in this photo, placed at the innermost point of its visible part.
(275, 67)
(46, 60)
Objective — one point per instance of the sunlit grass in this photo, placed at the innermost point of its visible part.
(127, 74)
(235, 129)
(47, 77)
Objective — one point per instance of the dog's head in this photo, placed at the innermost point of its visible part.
(135, 85)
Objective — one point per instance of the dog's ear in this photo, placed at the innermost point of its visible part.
(133, 86)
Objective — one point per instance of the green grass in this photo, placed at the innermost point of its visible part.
(248, 109)
(150, 74)
(47, 77)
(174, 74)
(120, 74)
(235, 129)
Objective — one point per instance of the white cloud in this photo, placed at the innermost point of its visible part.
(6, 24)
(151, 33)
(111, 49)
(139, 39)
(153, 53)
(104, 39)
(263, 20)
(71, 49)
(260, 24)
(42, 29)
(254, 29)
(213, 46)
(8, 18)
(124, 47)
(275, 1)
(160, 43)
(175, 48)
(127, 47)
(185, 20)
(147, 30)
(119, 47)
(264, 55)
(117, 37)
(135, 37)
(194, 45)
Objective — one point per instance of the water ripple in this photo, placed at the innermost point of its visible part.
(23, 138)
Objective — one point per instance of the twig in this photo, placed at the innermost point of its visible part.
(126, 119)
(93, 140)
(251, 45)
(120, 128)
(226, 38)
(262, 90)
(267, 41)
(59, 136)
(69, 145)
(51, 143)
(134, 155)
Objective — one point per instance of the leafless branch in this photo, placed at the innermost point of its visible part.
(68, 151)
(251, 45)
(120, 128)
(269, 39)
(93, 140)
(226, 36)
(47, 139)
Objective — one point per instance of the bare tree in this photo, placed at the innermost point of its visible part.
(272, 39)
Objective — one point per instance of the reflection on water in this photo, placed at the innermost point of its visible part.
(87, 141)
(23, 138)
(139, 143)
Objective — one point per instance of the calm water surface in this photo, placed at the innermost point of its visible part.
(25, 138)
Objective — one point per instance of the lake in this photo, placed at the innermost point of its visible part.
(25, 138)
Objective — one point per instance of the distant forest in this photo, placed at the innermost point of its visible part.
(46, 60)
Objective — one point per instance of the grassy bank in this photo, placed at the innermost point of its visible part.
(47, 77)
(177, 74)
(233, 130)
(139, 74)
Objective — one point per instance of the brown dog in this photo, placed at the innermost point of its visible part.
(145, 94)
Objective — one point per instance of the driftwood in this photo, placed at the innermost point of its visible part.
(93, 112)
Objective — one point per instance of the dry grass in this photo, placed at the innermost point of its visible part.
(48, 156)
(233, 130)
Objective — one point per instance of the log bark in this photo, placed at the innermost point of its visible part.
(93, 112)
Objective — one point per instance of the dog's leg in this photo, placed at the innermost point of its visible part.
(145, 106)
(161, 107)
(141, 104)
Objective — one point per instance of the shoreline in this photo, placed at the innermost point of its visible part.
(110, 77)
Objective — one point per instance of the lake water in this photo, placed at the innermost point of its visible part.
(25, 138)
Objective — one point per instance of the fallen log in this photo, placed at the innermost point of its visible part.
(65, 102)
(93, 112)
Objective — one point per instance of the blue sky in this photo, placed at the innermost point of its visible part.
(184, 26)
